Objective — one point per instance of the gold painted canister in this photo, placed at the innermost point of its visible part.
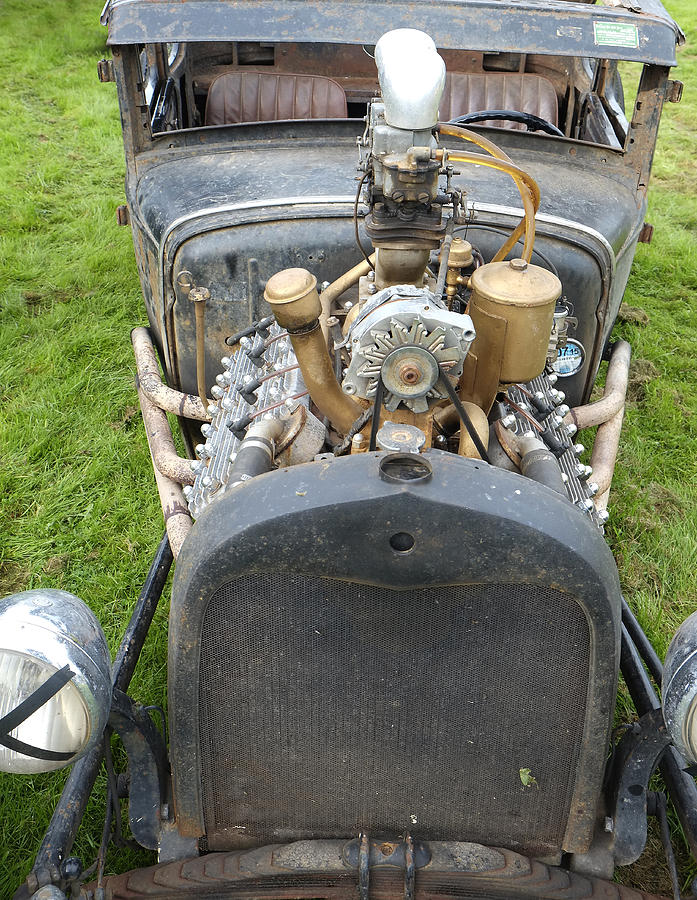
(524, 296)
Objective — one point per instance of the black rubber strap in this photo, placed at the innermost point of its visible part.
(462, 412)
(28, 707)
(377, 406)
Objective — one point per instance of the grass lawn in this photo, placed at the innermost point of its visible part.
(78, 506)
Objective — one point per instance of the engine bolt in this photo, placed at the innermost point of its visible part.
(592, 488)
(372, 289)
(562, 410)
(578, 449)
(371, 275)
(207, 429)
(508, 420)
(571, 429)
(553, 377)
(423, 197)
(398, 196)
(603, 515)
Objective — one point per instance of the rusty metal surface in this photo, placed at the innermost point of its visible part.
(159, 436)
(176, 514)
(162, 396)
(615, 392)
(322, 869)
(530, 27)
(604, 457)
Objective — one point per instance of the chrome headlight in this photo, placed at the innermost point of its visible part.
(680, 689)
(41, 633)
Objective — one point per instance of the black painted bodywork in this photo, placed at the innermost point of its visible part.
(287, 200)
(472, 524)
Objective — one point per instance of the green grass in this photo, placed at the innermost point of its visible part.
(78, 505)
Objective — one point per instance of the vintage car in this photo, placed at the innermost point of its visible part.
(382, 248)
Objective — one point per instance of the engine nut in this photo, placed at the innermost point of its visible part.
(409, 374)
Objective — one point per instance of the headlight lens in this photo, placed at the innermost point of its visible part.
(41, 632)
(61, 724)
(680, 689)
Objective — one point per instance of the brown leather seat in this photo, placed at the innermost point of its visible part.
(244, 96)
(467, 92)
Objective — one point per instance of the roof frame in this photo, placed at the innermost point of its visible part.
(644, 33)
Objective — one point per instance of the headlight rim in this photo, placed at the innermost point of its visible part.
(679, 687)
(56, 628)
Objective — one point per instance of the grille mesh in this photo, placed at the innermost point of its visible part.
(329, 707)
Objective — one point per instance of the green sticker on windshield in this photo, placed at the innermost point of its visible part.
(616, 34)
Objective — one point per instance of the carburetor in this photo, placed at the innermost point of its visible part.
(397, 156)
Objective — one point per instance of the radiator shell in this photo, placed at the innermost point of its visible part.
(255, 759)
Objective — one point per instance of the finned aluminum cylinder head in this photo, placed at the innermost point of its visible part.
(412, 78)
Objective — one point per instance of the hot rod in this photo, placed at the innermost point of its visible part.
(382, 247)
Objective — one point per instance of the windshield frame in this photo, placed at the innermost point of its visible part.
(643, 33)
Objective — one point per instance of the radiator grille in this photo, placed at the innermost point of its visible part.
(329, 707)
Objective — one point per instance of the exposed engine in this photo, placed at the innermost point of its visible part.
(439, 349)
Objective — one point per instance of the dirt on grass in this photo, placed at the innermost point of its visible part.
(641, 373)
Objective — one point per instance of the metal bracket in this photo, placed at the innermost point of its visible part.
(364, 868)
(636, 757)
(365, 855)
(105, 70)
(646, 233)
(674, 91)
(148, 766)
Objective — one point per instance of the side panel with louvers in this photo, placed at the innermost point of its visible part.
(329, 708)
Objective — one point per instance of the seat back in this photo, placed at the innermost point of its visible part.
(468, 92)
(244, 96)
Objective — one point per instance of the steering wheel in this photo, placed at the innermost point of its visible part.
(531, 122)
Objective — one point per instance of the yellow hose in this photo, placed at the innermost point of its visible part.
(526, 184)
